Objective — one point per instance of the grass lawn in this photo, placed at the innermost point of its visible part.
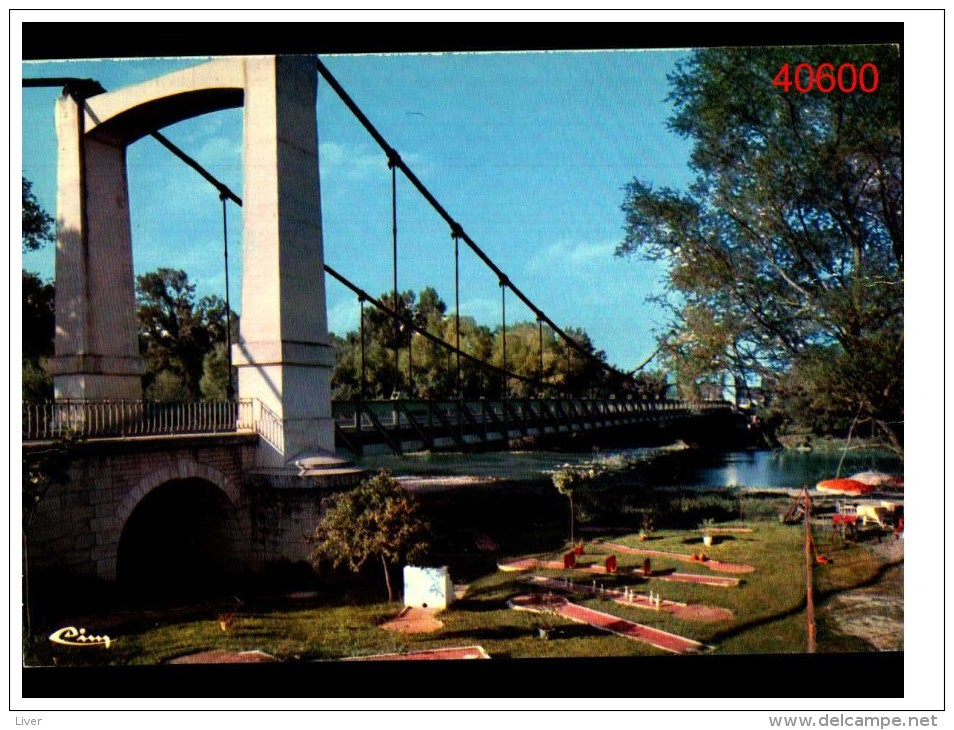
(342, 618)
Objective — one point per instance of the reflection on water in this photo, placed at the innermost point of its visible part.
(782, 469)
(505, 465)
(688, 468)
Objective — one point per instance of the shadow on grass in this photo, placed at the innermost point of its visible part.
(493, 633)
(820, 596)
(741, 628)
(480, 606)
(576, 631)
(824, 595)
(716, 540)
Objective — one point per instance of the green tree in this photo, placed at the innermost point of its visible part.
(214, 383)
(378, 520)
(37, 224)
(38, 329)
(38, 302)
(434, 374)
(346, 378)
(567, 479)
(434, 370)
(177, 333)
(785, 254)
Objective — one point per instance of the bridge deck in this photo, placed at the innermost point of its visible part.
(415, 424)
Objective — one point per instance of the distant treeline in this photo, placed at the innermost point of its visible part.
(399, 362)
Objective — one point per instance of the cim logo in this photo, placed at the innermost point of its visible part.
(71, 636)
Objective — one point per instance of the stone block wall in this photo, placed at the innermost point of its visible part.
(78, 522)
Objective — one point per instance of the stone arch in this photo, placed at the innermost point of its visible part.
(183, 507)
(179, 469)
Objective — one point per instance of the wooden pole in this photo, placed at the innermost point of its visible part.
(809, 562)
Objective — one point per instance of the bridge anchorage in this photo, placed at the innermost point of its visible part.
(243, 478)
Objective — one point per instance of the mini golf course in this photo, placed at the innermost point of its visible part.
(628, 597)
(523, 564)
(549, 603)
(462, 652)
(716, 565)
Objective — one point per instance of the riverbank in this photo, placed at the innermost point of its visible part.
(831, 444)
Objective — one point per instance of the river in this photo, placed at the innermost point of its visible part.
(746, 469)
(791, 469)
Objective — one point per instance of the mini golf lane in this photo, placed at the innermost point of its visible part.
(462, 652)
(523, 564)
(720, 581)
(716, 565)
(540, 603)
(685, 611)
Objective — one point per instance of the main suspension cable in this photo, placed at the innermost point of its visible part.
(456, 229)
(85, 88)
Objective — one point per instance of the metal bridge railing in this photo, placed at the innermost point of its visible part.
(270, 426)
(120, 419)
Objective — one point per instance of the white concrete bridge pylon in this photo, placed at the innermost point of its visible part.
(283, 356)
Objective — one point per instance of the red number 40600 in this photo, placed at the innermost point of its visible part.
(824, 78)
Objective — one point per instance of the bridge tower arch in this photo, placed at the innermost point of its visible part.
(283, 356)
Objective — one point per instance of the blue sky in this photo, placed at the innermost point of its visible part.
(528, 151)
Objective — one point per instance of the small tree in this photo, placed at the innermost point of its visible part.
(376, 520)
(566, 479)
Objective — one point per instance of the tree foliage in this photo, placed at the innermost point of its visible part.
(378, 520)
(214, 383)
(177, 334)
(786, 253)
(429, 370)
(38, 299)
(38, 229)
(567, 479)
(38, 329)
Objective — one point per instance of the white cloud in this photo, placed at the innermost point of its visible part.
(222, 152)
(572, 256)
(356, 162)
(485, 311)
(343, 316)
(585, 252)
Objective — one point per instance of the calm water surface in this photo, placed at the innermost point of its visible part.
(733, 468)
(779, 469)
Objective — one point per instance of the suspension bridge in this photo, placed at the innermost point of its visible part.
(261, 457)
